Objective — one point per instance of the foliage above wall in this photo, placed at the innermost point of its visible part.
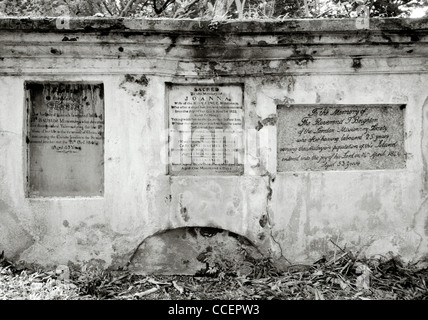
(210, 9)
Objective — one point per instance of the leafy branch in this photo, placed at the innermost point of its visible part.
(211, 9)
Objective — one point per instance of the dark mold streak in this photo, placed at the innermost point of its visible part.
(56, 51)
(69, 39)
(356, 63)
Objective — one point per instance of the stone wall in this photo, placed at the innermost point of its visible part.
(323, 124)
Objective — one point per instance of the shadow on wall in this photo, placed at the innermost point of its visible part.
(195, 251)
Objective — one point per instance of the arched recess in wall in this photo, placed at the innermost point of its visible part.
(195, 251)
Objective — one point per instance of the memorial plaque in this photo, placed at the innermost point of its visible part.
(65, 139)
(206, 129)
(340, 137)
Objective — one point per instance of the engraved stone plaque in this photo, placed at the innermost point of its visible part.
(205, 129)
(340, 137)
(65, 139)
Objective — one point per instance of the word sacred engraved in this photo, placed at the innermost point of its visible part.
(206, 129)
(340, 137)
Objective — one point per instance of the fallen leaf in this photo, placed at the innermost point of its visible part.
(318, 295)
(363, 281)
(153, 281)
(179, 288)
(147, 292)
(318, 273)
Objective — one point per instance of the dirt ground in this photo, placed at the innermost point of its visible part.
(341, 276)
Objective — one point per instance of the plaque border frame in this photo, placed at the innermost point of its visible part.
(26, 131)
(402, 106)
(168, 86)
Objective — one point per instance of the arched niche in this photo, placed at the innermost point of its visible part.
(195, 251)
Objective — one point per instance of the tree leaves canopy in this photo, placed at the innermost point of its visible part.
(210, 9)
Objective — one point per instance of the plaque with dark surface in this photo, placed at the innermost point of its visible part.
(340, 137)
(205, 127)
(65, 139)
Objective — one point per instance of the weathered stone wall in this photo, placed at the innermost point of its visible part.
(291, 214)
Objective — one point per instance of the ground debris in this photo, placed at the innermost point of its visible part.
(342, 275)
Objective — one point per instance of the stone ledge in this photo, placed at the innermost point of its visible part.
(90, 24)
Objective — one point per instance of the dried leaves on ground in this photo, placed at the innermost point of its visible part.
(341, 276)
